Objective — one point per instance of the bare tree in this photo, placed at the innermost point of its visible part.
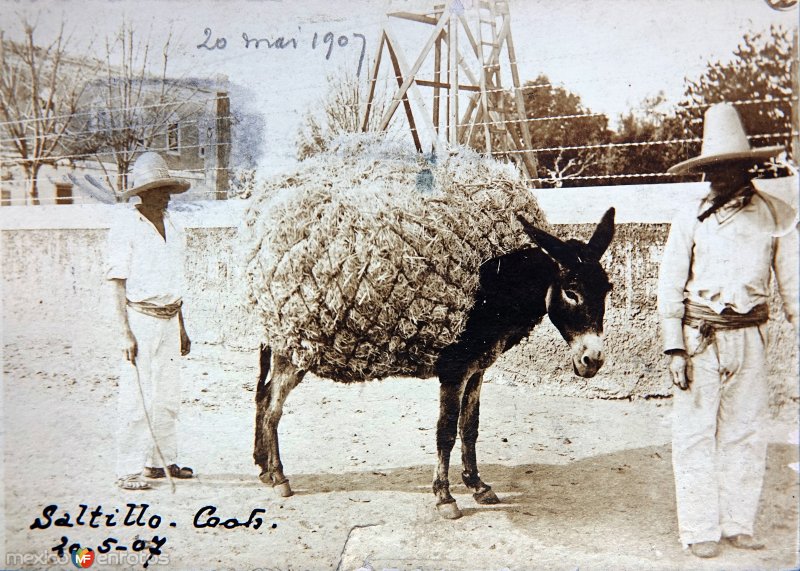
(340, 111)
(39, 98)
(558, 172)
(134, 109)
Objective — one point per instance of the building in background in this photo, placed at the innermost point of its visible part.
(116, 115)
(192, 132)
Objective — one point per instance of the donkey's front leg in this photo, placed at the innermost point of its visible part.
(446, 428)
(263, 390)
(276, 380)
(468, 428)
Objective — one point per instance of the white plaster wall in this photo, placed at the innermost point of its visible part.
(53, 265)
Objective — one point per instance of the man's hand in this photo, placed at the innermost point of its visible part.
(186, 343)
(680, 369)
(128, 341)
(129, 347)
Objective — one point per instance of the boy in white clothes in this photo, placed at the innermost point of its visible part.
(713, 291)
(147, 253)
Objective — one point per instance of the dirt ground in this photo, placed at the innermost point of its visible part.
(584, 484)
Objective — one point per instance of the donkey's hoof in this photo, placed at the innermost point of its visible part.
(265, 478)
(449, 510)
(486, 497)
(283, 489)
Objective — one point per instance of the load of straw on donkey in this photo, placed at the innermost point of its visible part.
(361, 272)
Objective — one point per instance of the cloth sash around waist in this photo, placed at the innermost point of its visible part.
(701, 317)
(154, 310)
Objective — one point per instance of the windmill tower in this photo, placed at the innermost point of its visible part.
(469, 103)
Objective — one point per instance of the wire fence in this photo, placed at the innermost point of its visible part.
(108, 132)
(90, 124)
(93, 113)
(89, 199)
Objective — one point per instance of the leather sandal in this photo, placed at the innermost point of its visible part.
(705, 549)
(744, 541)
(132, 482)
(174, 470)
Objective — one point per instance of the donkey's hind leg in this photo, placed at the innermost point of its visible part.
(446, 430)
(468, 429)
(276, 380)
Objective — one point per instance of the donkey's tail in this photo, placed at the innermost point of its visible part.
(263, 372)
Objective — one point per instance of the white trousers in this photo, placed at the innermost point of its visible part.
(718, 449)
(152, 385)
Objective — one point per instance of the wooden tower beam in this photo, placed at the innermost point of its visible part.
(486, 114)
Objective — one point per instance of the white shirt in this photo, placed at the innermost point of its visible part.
(152, 267)
(725, 262)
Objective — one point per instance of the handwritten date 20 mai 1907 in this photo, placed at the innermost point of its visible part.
(323, 42)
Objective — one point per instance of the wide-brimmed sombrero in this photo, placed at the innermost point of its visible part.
(724, 140)
(150, 172)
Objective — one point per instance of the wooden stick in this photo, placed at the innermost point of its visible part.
(470, 37)
(401, 62)
(437, 77)
(529, 158)
(398, 72)
(373, 79)
(471, 105)
(462, 125)
(409, 78)
(438, 84)
(484, 102)
(413, 17)
(452, 52)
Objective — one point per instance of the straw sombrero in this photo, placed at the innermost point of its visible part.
(150, 171)
(724, 140)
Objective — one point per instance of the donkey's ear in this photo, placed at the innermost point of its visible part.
(557, 249)
(602, 236)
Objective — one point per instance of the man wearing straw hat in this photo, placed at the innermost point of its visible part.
(146, 268)
(714, 286)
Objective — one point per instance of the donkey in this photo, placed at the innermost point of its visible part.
(561, 279)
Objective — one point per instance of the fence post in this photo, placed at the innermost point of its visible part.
(223, 146)
(63, 193)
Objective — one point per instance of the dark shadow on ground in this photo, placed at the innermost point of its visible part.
(630, 492)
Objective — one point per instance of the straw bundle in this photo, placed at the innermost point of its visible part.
(362, 269)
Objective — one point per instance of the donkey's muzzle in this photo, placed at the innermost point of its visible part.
(587, 356)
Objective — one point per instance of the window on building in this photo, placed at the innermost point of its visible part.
(173, 138)
(204, 137)
(99, 117)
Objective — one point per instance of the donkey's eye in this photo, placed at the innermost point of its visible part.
(571, 296)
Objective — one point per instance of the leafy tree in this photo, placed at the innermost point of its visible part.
(558, 118)
(644, 136)
(760, 69)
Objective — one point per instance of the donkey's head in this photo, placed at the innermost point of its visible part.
(576, 297)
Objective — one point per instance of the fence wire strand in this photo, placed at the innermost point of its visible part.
(209, 119)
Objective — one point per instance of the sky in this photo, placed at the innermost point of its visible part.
(612, 53)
